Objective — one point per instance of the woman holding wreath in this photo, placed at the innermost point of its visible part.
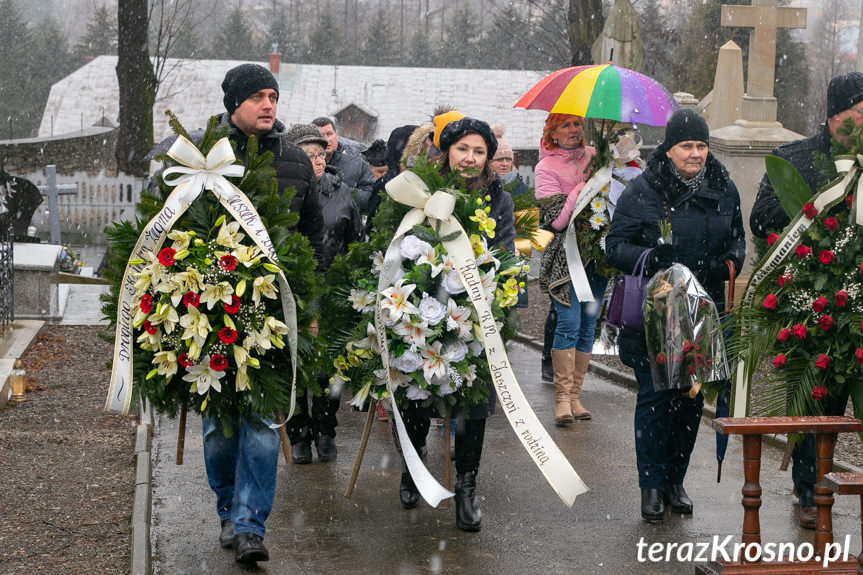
(686, 187)
(466, 145)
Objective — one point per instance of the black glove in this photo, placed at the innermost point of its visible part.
(660, 258)
(717, 267)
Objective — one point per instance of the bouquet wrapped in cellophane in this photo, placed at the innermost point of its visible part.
(684, 335)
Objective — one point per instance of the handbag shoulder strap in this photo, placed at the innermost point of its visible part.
(639, 264)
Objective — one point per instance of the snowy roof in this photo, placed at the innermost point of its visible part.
(398, 96)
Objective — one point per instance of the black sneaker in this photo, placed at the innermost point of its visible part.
(301, 452)
(326, 448)
(249, 548)
(226, 537)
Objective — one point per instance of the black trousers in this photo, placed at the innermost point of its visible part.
(469, 435)
(306, 425)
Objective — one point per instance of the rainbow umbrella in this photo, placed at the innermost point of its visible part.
(602, 91)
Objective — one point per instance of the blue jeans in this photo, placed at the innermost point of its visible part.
(241, 470)
(666, 427)
(576, 323)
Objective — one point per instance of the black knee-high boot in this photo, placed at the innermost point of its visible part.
(547, 341)
(469, 436)
(417, 428)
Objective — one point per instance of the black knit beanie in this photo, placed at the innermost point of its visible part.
(685, 124)
(243, 81)
(376, 154)
(453, 131)
(844, 91)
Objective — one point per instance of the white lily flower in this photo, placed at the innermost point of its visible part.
(247, 255)
(215, 294)
(197, 326)
(370, 341)
(377, 262)
(181, 239)
(276, 326)
(362, 300)
(447, 265)
(488, 284)
(204, 377)
(395, 303)
(434, 362)
(470, 376)
(167, 362)
(264, 286)
(412, 330)
(229, 236)
(360, 396)
(458, 319)
(241, 383)
(166, 316)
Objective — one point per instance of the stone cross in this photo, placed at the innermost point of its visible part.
(765, 17)
(53, 191)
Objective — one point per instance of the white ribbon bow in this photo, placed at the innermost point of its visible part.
(202, 173)
(409, 189)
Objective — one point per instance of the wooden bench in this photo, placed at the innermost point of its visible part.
(848, 484)
(825, 429)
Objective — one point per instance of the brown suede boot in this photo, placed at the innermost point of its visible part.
(582, 359)
(562, 359)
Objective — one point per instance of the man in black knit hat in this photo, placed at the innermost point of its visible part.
(844, 100)
(241, 469)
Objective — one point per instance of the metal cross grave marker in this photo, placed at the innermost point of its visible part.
(53, 192)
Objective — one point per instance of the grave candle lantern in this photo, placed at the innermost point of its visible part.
(18, 381)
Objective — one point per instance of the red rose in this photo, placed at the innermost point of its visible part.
(799, 331)
(849, 200)
(769, 302)
(825, 322)
(234, 306)
(218, 362)
(149, 327)
(858, 355)
(228, 262)
(687, 346)
(809, 210)
(784, 279)
(822, 362)
(831, 224)
(841, 299)
(771, 239)
(779, 361)
(825, 257)
(191, 299)
(227, 335)
(819, 304)
(691, 369)
(783, 335)
(166, 256)
(819, 393)
(146, 303)
(802, 251)
(184, 360)
(660, 359)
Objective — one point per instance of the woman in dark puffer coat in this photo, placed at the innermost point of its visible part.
(686, 184)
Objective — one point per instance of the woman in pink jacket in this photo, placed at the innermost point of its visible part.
(561, 173)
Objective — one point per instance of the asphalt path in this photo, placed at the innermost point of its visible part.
(526, 528)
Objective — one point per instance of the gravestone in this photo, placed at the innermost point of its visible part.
(743, 145)
(37, 277)
(19, 199)
(723, 105)
(620, 40)
(53, 192)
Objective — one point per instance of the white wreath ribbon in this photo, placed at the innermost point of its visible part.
(577, 274)
(197, 173)
(409, 189)
(848, 168)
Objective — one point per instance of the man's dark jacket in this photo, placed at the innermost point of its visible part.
(707, 229)
(293, 170)
(356, 174)
(342, 223)
(767, 213)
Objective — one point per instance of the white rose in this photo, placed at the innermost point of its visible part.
(416, 393)
(445, 389)
(456, 351)
(409, 362)
(431, 310)
(475, 347)
(412, 248)
(452, 283)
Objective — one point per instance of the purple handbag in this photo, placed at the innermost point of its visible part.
(626, 305)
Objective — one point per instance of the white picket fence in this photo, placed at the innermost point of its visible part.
(100, 201)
